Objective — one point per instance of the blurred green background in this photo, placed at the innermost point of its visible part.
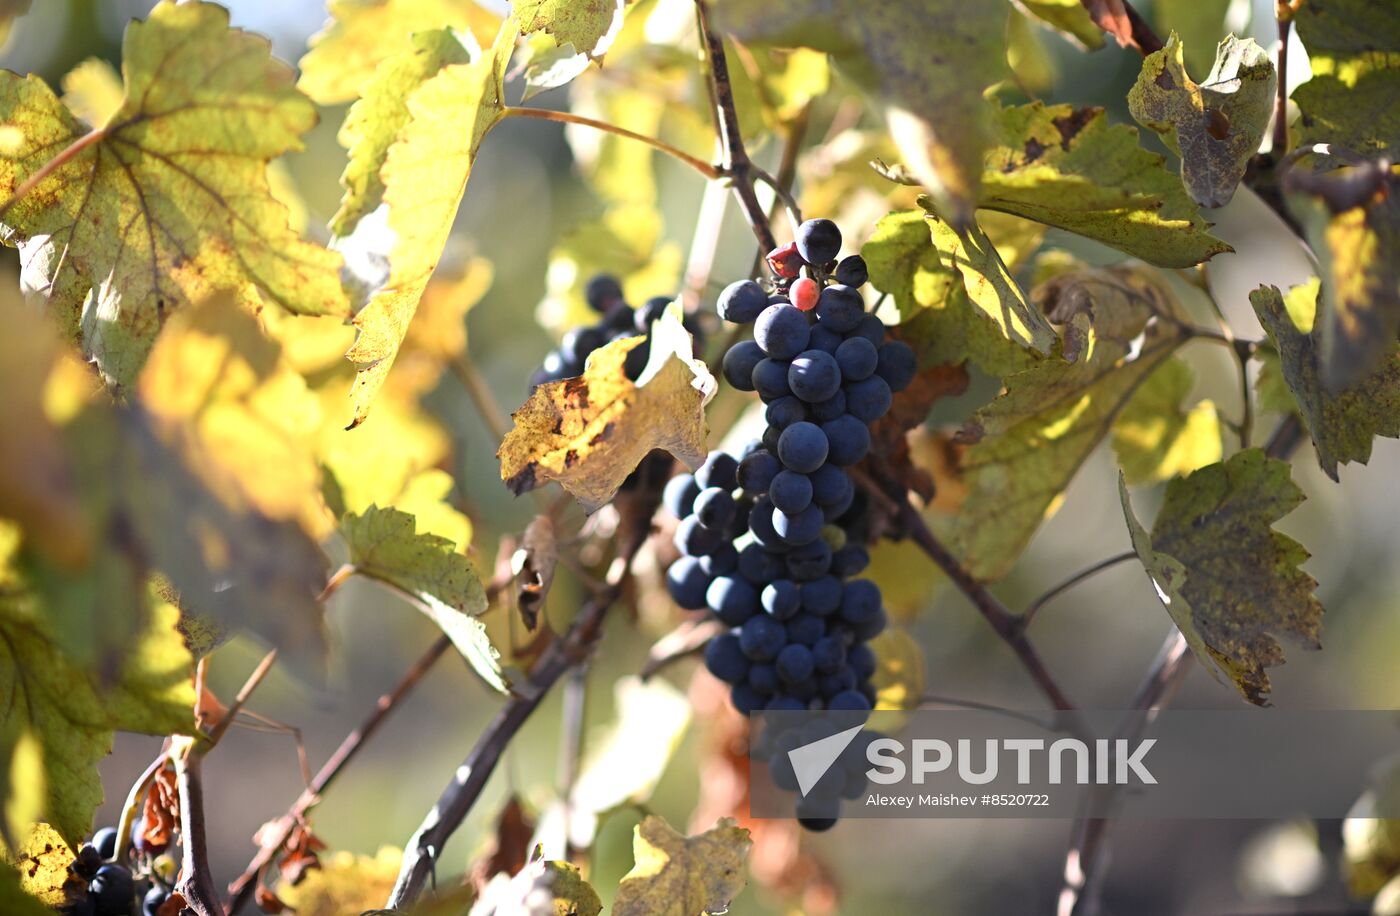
(523, 197)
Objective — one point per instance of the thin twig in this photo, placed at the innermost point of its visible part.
(244, 693)
(480, 393)
(1050, 595)
(737, 165)
(1280, 139)
(65, 156)
(1003, 622)
(241, 890)
(457, 799)
(564, 117)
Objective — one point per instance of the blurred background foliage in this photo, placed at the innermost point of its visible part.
(546, 208)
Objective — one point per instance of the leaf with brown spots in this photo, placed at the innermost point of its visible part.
(1230, 582)
(590, 432)
(169, 200)
(533, 568)
(1215, 126)
(675, 875)
(1069, 168)
(1342, 423)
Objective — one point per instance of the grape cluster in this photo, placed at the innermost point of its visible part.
(111, 887)
(771, 539)
(618, 319)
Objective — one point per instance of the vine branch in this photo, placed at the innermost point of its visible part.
(737, 165)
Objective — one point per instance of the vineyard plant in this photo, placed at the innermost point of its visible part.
(1032, 356)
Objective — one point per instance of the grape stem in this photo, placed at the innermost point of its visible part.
(737, 166)
(561, 656)
(710, 171)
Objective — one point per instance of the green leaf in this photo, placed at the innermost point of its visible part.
(1343, 423)
(73, 715)
(1032, 440)
(1156, 438)
(430, 571)
(589, 433)
(362, 34)
(674, 875)
(1354, 50)
(550, 65)
(1215, 126)
(990, 285)
(542, 888)
(930, 79)
(424, 175)
(1229, 581)
(374, 121)
(170, 201)
(589, 27)
(933, 304)
(1069, 168)
(1069, 17)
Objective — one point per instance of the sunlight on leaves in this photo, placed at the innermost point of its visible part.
(1156, 438)
(542, 888)
(1343, 423)
(589, 27)
(344, 883)
(900, 678)
(362, 34)
(424, 174)
(675, 875)
(1230, 582)
(1069, 168)
(589, 433)
(171, 202)
(1068, 17)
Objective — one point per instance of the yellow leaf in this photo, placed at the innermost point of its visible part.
(345, 883)
(1155, 438)
(42, 860)
(590, 432)
(93, 91)
(362, 34)
(676, 875)
(899, 678)
(217, 389)
(169, 200)
(439, 328)
(542, 888)
(425, 173)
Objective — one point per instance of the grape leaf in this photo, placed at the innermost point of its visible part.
(933, 304)
(1215, 126)
(93, 91)
(1155, 438)
(929, 62)
(549, 65)
(169, 200)
(1032, 439)
(374, 121)
(590, 432)
(343, 883)
(990, 286)
(73, 716)
(589, 27)
(1229, 581)
(42, 861)
(542, 888)
(362, 34)
(1069, 168)
(424, 174)
(432, 573)
(1068, 17)
(1354, 51)
(1341, 423)
(674, 875)
(14, 901)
